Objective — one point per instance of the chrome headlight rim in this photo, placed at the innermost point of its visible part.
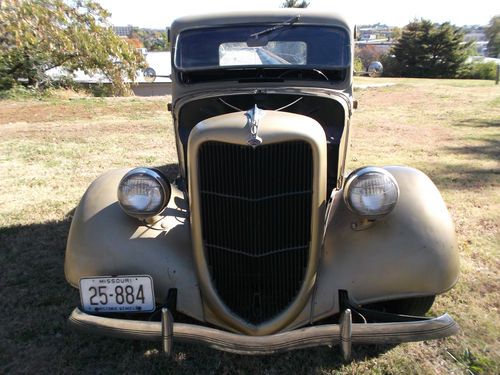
(356, 174)
(162, 182)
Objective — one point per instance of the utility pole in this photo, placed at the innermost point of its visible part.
(498, 70)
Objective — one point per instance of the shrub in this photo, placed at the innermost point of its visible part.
(480, 70)
(391, 66)
(358, 65)
(20, 92)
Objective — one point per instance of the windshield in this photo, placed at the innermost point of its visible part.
(297, 45)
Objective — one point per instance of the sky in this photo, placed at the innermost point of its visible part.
(160, 13)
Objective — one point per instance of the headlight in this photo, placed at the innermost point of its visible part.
(143, 193)
(371, 192)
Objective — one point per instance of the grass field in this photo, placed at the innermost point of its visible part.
(51, 150)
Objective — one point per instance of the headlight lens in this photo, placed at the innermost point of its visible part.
(371, 192)
(143, 193)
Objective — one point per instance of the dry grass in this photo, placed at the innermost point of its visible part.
(51, 150)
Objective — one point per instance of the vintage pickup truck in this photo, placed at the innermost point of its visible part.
(264, 242)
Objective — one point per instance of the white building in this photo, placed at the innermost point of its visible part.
(159, 61)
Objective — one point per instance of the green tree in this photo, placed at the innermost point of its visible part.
(395, 33)
(38, 35)
(391, 65)
(294, 4)
(430, 50)
(358, 65)
(493, 35)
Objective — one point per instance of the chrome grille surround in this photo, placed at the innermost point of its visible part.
(275, 128)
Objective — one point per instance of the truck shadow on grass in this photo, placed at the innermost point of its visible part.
(489, 149)
(478, 123)
(35, 337)
(461, 177)
(477, 166)
(36, 301)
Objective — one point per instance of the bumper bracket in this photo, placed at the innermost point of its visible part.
(167, 331)
(346, 334)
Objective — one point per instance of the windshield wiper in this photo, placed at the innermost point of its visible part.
(289, 22)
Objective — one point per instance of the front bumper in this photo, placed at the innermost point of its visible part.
(343, 334)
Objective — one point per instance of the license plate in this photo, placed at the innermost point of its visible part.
(117, 294)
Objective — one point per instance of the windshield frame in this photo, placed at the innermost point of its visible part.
(346, 46)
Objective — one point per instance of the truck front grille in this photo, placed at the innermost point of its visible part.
(256, 223)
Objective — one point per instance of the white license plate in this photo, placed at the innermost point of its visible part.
(117, 294)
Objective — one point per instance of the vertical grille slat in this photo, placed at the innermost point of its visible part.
(256, 223)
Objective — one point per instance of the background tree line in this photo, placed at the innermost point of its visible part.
(39, 35)
(425, 49)
(152, 40)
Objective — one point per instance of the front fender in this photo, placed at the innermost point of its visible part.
(411, 252)
(103, 240)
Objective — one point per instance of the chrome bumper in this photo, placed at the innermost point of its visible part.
(343, 334)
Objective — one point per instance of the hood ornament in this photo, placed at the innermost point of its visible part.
(254, 116)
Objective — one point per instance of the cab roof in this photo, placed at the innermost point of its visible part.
(307, 16)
